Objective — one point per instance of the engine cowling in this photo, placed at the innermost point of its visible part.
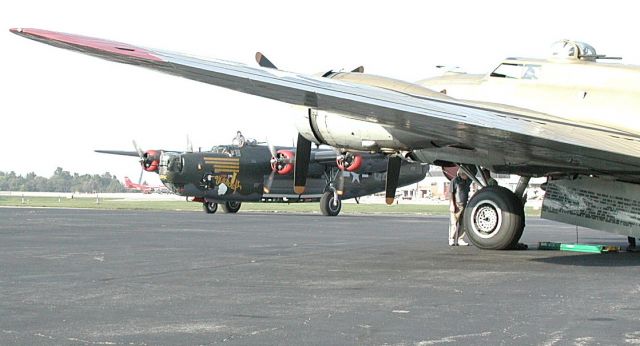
(339, 131)
(349, 162)
(151, 160)
(282, 163)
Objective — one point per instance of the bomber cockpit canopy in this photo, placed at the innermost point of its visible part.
(231, 150)
(567, 49)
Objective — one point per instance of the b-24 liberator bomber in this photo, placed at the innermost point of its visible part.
(228, 175)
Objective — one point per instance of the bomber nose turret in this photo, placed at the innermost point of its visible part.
(170, 169)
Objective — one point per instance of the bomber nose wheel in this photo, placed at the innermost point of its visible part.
(231, 207)
(210, 207)
(329, 206)
(494, 219)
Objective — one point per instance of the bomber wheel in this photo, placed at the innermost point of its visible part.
(494, 219)
(210, 207)
(231, 206)
(327, 207)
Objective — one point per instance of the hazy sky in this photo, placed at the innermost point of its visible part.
(58, 106)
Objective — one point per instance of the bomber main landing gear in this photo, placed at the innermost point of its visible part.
(227, 207)
(330, 204)
(231, 206)
(210, 207)
(494, 218)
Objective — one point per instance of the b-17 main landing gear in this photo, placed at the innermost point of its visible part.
(494, 218)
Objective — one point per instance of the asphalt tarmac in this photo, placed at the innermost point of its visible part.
(175, 278)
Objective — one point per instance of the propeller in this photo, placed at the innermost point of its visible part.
(141, 155)
(349, 162)
(393, 176)
(149, 160)
(281, 163)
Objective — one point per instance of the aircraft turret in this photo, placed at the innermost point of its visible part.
(575, 50)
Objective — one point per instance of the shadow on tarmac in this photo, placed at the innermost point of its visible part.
(614, 259)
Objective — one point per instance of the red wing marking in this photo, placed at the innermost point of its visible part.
(87, 42)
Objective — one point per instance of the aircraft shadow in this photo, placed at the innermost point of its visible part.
(615, 259)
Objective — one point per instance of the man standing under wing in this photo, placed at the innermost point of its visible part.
(459, 195)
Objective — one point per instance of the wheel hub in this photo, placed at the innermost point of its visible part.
(333, 204)
(486, 219)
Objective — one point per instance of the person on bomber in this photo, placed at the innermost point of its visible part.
(238, 140)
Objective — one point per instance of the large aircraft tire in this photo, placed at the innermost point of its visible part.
(210, 207)
(494, 219)
(326, 205)
(231, 206)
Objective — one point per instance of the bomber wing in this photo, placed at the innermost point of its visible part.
(522, 139)
(118, 152)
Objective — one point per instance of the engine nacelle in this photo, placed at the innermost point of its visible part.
(349, 162)
(283, 162)
(339, 131)
(151, 160)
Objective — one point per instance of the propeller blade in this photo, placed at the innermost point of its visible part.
(340, 190)
(340, 157)
(140, 179)
(301, 167)
(359, 69)
(140, 152)
(393, 175)
(264, 62)
(272, 150)
(267, 186)
(189, 144)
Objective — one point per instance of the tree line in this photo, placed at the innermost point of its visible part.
(60, 181)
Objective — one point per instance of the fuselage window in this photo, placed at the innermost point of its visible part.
(508, 71)
(516, 71)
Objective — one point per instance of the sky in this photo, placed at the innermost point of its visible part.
(58, 106)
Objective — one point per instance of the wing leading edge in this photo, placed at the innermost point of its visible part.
(522, 140)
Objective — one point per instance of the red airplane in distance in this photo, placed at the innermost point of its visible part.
(144, 188)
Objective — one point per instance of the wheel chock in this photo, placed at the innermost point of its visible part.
(590, 248)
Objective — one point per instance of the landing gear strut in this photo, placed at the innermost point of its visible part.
(330, 202)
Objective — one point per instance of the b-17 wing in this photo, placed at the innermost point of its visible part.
(522, 138)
